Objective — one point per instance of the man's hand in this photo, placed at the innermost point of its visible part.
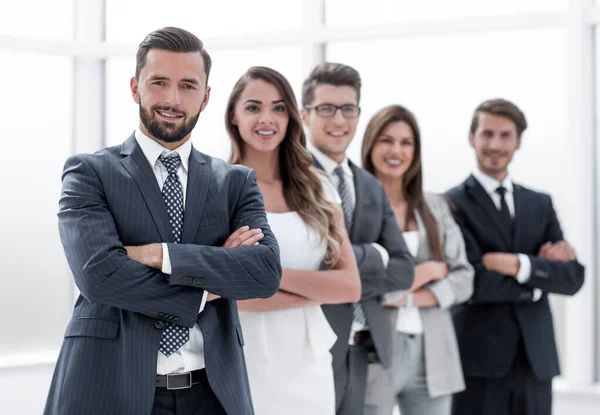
(212, 297)
(558, 251)
(506, 264)
(244, 236)
(150, 255)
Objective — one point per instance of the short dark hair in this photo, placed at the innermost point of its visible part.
(172, 39)
(502, 108)
(336, 74)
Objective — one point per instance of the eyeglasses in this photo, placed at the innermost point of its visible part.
(329, 110)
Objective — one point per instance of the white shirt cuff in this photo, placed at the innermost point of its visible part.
(392, 297)
(537, 294)
(166, 265)
(524, 269)
(385, 256)
(203, 303)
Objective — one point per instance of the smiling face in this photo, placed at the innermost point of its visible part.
(171, 92)
(393, 151)
(495, 142)
(332, 135)
(261, 117)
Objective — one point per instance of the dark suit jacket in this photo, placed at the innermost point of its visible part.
(107, 364)
(501, 311)
(373, 221)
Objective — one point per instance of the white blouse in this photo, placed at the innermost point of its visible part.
(293, 336)
(409, 318)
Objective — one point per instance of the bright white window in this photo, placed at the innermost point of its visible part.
(36, 138)
(37, 19)
(129, 21)
(354, 12)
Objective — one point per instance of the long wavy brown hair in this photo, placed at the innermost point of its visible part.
(412, 181)
(302, 187)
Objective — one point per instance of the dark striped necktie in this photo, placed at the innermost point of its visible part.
(174, 336)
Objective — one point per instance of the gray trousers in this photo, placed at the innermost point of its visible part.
(404, 382)
(351, 382)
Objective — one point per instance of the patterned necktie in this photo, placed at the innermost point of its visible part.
(359, 312)
(345, 196)
(507, 222)
(174, 336)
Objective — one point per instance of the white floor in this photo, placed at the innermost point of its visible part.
(23, 392)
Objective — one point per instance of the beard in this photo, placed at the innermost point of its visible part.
(167, 131)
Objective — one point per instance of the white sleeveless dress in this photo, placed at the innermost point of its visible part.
(287, 351)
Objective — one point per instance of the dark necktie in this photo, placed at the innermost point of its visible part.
(359, 312)
(174, 336)
(506, 219)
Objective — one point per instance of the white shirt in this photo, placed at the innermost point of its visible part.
(329, 165)
(409, 318)
(191, 355)
(490, 185)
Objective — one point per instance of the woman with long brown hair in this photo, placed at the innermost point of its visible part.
(287, 336)
(425, 368)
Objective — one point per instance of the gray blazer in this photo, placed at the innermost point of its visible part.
(373, 222)
(442, 358)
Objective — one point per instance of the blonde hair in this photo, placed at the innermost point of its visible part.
(302, 186)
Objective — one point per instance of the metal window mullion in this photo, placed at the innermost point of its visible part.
(313, 21)
(578, 356)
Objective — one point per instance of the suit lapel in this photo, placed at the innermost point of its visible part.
(358, 206)
(487, 204)
(317, 164)
(520, 220)
(197, 189)
(138, 167)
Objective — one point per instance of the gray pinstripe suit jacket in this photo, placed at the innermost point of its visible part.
(107, 364)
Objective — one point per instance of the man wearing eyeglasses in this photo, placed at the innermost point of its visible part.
(330, 98)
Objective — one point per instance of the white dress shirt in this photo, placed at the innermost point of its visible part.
(490, 185)
(191, 355)
(329, 165)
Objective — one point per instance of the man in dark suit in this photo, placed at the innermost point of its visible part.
(147, 231)
(515, 243)
(330, 98)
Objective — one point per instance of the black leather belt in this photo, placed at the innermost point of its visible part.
(364, 340)
(181, 380)
(361, 338)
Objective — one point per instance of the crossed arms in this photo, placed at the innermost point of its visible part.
(300, 288)
(554, 269)
(104, 273)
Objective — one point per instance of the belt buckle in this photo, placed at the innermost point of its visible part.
(180, 387)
